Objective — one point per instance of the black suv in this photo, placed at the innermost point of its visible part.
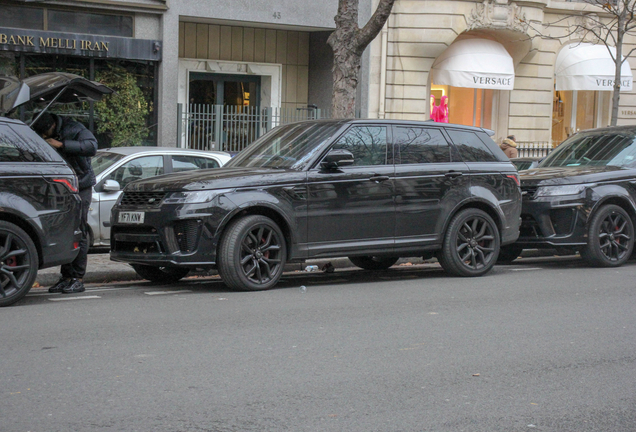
(39, 203)
(39, 209)
(583, 198)
(371, 190)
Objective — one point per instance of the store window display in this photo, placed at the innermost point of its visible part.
(573, 111)
(460, 105)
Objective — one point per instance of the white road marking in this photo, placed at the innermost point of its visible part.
(74, 298)
(529, 268)
(166, 292)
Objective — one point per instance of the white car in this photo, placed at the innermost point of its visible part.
(118, 166)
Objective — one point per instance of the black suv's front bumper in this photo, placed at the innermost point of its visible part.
(553, 222)
(170, 235)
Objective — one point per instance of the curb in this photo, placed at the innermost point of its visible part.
(111, 271)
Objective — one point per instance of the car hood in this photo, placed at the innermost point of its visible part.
(215, 178)
(574, 175)
(58, 87)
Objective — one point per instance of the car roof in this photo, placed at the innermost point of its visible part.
(399, 122)
(161, 150)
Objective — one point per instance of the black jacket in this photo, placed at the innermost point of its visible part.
(79, 146)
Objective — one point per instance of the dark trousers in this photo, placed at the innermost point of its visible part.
(77, 268)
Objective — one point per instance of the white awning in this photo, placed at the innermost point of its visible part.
(587, 66)
(475, 63)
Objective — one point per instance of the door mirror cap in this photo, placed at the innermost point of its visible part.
(337, 158)
(111, 186)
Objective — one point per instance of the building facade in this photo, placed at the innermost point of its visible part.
(488, 62)
(90, 39)
(214, 75)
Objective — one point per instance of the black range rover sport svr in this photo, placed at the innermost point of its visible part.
(370, 190)
(582, 198)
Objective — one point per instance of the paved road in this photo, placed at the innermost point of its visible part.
(537, 346)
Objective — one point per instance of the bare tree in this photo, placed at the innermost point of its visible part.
(348, 42)
(608, 22)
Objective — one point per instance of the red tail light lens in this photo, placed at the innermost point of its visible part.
(71, 184)
(515, 177)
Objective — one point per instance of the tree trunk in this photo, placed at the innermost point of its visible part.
(348, 42)
(345, 73)
(618, 62)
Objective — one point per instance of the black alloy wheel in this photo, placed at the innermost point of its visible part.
(160, 274)
(18, 263)
(610, 237)
(373, 262)
(252, 254)
(471, 244)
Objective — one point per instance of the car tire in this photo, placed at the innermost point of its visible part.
(373, 262)
(18, 263)
(160, 274)
(610, 237)
(507, 254)
(252, 254)
(471, 244)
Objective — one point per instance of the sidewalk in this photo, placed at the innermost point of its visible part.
(101, 269)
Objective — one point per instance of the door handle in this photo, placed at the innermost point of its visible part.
(454, 174)
(379, 178)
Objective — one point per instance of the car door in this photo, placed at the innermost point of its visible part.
(428, 177)
(135, 169)
(351, 209)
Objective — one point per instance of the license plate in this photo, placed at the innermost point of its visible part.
(131, 217)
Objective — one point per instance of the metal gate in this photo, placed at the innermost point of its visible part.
(232, 128)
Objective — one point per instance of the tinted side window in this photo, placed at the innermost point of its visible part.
(470, 147)
(367, 143)
(187, 163)
(413, 145)
(15, 149)
(493, 147)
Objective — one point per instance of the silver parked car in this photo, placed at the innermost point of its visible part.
(118, 166)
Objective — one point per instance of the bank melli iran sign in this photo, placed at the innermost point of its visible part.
(78, 44)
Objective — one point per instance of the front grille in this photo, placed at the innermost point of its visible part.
(528, 192)
(142, 199)
(187, 233)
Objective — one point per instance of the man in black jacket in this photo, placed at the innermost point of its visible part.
(77, 145)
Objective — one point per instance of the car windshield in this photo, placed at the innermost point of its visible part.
(286, 147)
(103, 160)
(593, 149)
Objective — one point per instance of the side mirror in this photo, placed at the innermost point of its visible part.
(111, 186)
(337, 158)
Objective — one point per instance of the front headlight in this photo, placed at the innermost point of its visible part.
(197, 197)
(546, 191)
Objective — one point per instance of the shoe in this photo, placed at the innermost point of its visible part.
(76, 286)
(60, 285)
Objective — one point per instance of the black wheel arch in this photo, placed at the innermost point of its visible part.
(622, 201)
(263, 210)
(478, 204)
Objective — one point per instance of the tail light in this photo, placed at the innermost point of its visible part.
(515, 177)
(69, 182)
